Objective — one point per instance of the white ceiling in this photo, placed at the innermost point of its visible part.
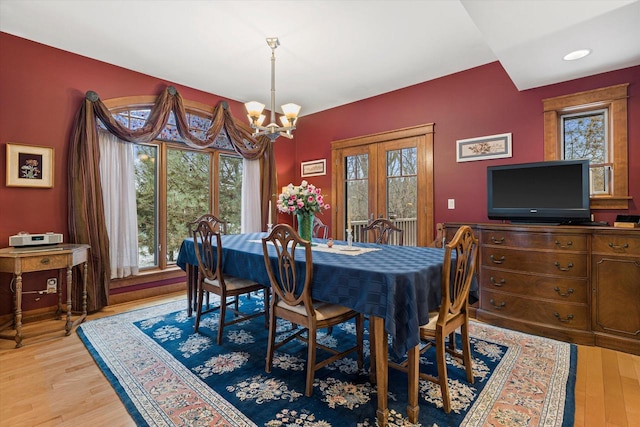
(334, 52)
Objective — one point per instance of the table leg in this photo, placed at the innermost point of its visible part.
(59, 310)
(413, 409)
(382, 368)
(69, 323)
(18, 310)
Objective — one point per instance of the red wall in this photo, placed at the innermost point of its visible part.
(41, 89)
(477, 102)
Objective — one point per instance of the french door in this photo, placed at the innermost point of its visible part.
(386, 175)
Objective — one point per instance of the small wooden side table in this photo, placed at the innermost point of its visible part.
(41, 258)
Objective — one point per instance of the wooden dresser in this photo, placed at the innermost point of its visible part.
(572, 283)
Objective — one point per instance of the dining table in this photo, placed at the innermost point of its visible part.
(395, 286)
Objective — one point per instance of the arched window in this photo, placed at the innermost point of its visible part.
(175, 183)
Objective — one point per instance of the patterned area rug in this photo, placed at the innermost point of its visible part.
(168, 376)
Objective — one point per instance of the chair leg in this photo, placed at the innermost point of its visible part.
(442, 371)
(466, 352)
(272, 340)
(266, 293)
(360, 339)
(223, 313)
(452, 341)
(198, 309)
(311, 359)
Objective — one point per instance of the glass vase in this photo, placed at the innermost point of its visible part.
(305, 225)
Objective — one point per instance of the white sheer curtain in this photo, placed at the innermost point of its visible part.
(117, 177)
(250, 216)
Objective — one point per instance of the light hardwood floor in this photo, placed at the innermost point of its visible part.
(53, 381)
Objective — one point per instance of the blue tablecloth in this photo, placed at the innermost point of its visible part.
(400, 284)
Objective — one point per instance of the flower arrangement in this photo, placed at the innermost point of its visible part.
(303, 199)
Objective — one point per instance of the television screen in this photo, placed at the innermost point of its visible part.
(546, 192)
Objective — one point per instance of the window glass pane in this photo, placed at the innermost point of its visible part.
(141, 114)
(394, 162)
(356, 192)
(402, 183)
(146, 172)
(230, 192)
(188, 194)
(584, 136)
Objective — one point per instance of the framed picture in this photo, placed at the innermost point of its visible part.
(313, 168)
(29, 166)
(483, 148)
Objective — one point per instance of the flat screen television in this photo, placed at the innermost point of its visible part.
(541, 192)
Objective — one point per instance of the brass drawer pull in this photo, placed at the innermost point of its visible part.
(497, 306)
(560, 245)
(45, 261)
(567, 268)
(497, 241)
(497, 261)
(618, 247)
(566, 320)
(498, 284)
(568, 293)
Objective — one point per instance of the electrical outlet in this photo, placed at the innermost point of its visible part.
(52, 285)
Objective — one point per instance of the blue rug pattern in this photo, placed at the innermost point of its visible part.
(167, 375)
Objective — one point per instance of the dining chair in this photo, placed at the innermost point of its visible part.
(291, 301)
(212, 279)
(383, 231)
(320, 230)
(458, 268)
(216, 224)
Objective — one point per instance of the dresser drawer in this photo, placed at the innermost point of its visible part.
(553, 263)
(552, 241)
(616, 244)
(572, 316)
(572, 290)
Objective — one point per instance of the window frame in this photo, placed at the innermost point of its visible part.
(164, 270)
(614, 100)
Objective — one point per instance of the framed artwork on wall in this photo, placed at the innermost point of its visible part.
(313, 168)
(29, 166)
(483, 148)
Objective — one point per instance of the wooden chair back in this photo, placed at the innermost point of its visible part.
(205, 237)
(215, 222)
(382, 230)
(457, 276)
(320, 230)
(289, 283)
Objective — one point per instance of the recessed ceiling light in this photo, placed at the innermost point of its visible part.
(577, 54)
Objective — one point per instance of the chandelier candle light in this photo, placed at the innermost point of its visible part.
(254, 108)
(305, 201)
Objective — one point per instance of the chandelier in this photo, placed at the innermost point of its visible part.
(254, 108)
